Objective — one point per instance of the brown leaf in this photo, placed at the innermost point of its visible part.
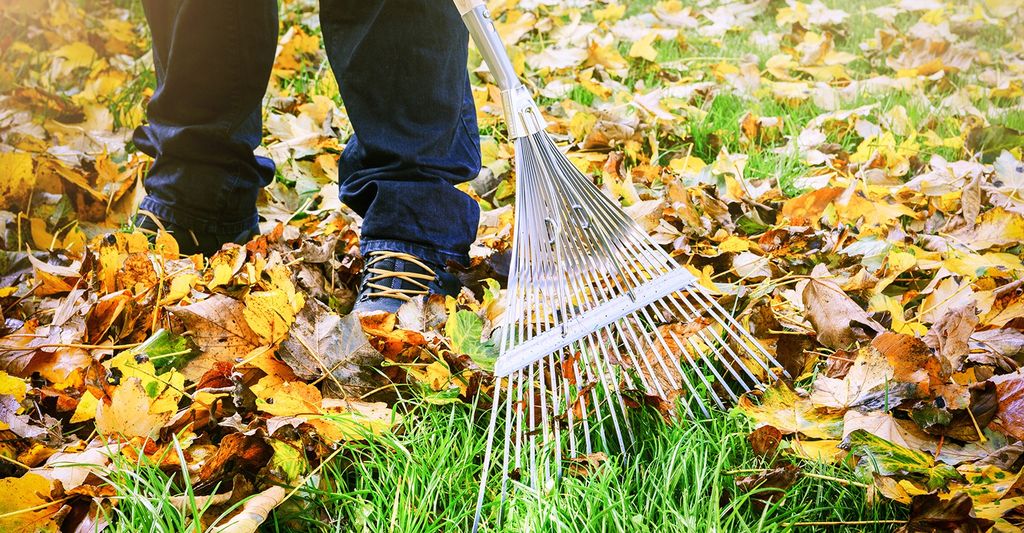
(218, 327)
(237, 453)
(323, 343)
(867, 384)
(837, 319)
(770, 485)
(962, 424)
(1010, 390)
(931, 514)
(1003, 348)
(586, 465)
(951, 333)
(913, 362)
(765, 440)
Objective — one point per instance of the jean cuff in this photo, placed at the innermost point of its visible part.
(433, 256)
(175, 216)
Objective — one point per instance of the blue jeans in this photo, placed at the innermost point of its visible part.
(401, 71)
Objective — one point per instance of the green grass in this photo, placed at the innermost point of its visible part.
(425, 478)
(676, 479)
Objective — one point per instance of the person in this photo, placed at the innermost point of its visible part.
(402, 76)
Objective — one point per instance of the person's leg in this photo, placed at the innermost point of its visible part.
(401, 70)
(213, 60)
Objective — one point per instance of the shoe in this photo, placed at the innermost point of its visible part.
(392, 278)
(191, 242)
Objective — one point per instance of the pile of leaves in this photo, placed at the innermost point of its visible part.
(849, 183)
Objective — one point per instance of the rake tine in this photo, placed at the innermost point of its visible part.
(487, 455)
(725, 345)
(710, 343)
(585, 365)
(616, 393)
(508, 443)
(749, 339)
(718, 377)
(689, 358)
(519, 422)
(555, 397)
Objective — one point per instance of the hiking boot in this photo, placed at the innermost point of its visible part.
(392, 278)
(191, 242)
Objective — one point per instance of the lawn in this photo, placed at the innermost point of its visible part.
(845, 177)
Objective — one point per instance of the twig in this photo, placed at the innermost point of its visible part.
(841, 481)
(35, 508)
(64, 345)
(842, 523)
(15, 462)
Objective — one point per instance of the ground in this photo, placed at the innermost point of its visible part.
(845, 177)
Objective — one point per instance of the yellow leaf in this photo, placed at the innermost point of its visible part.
(581, 124)
(779, 66)
(353, 420)
(74, 56)
(734, 244)
(12, 386)
(166, 245)
(86, 408)
(782, 407)
(610, 14)
(27, 492)
(821, 451)
(643, 48)
(18, 180)
(897, 263)
(225, 264)
(268, 313)
(436, 375)
(291, 398)
(795, 14)
(687, 165)
(606, 56)
(180, 287)
(881, 302)
(129, 413)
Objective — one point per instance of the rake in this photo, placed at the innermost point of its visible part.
(598, 316)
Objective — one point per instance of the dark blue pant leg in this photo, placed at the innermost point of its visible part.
(213, 60)
(401, 69)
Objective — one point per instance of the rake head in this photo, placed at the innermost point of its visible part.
(596, 313)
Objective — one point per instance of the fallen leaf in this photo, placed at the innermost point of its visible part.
(1010, 390)
(30, 491)
(129, 413)
(929, 513)
(950, 335)
(323, 343)
(218, 326)
(254, 512)
(780, 406)
(837, 319)
(769, 486)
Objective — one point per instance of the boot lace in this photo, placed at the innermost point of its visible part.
(379, 274)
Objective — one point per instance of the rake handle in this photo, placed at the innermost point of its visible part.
(465, 6)
(481, 29)
(521, 111)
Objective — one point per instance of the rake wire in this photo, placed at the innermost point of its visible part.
(575, 250)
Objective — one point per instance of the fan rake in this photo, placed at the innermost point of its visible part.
(597, 314)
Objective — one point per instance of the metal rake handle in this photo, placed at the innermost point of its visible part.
(521, 111)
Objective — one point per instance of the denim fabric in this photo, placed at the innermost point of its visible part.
(401, 70)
